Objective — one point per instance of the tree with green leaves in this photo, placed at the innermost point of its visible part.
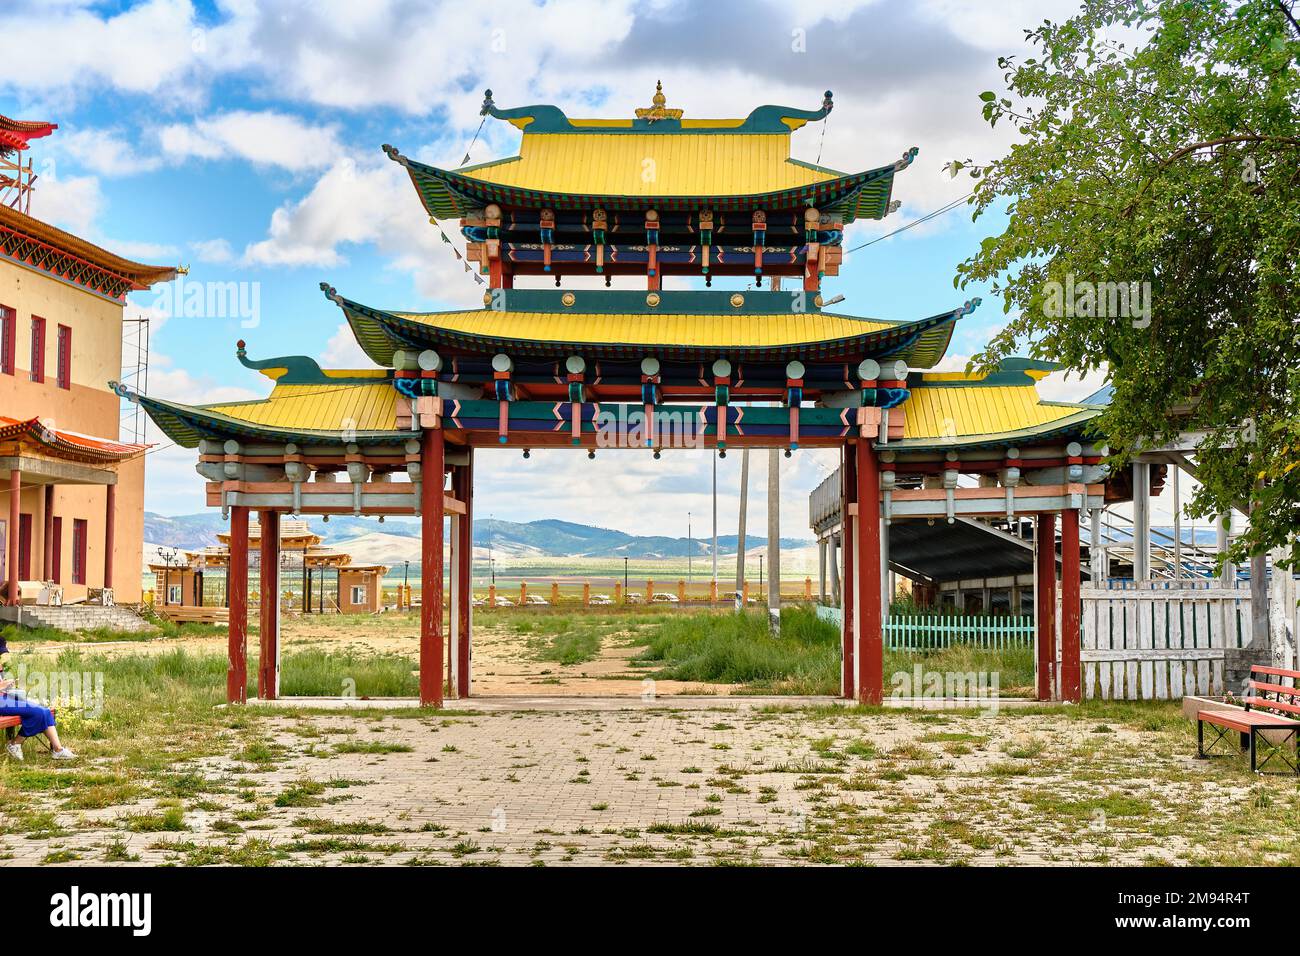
(1153, 204)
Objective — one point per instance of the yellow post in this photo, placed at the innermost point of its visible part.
(523, 593)
(649, 591)
(713, 592)
(807, 589)
(555, 592)
(618, 593)
(492, 595)
(586, 593)
(681, 591)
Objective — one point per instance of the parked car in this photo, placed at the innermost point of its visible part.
(635, 599)
(600, 599)
(536, 599)
(504, 601)
(663, 597)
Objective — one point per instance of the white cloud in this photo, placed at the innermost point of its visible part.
(264, 138)
(352, 205)
(342, 350)
(147, 48)
(216, 251)
(105, 151)
(69, 202)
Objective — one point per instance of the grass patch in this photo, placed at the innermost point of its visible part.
(732, 648)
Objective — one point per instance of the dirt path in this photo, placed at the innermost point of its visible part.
(503, 662)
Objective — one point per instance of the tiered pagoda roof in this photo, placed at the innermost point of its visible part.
(646, 195)
(733, 164)
(752, 325)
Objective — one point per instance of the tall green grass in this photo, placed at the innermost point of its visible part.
(1014, 666)
(730, 648)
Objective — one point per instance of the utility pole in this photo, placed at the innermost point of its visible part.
(774, 539)
(715, 522)
(690, 547)
(740, 534)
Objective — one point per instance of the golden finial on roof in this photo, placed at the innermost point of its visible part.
(657, 110)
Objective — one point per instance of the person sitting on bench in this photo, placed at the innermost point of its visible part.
(35, 718)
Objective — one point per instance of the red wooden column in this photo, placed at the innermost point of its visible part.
(1071, 606)
(110, 518)
(237, 592)
(47, 538)
(464, 490)
(1045, 603)
(15, 501)
(871, 645)
(268, 660)
(847, 604)
(431, 512)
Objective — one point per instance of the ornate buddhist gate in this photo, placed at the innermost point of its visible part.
(597, 369)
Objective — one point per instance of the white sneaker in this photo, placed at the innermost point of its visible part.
(64, 754)
(15, 750)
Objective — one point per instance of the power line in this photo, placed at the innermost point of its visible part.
(949, 207)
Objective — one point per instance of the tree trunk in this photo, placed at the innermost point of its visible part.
(740, 532)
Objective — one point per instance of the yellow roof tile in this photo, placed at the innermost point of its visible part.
(683, 164)
(956, 412)
(320, 408)
(653, 328)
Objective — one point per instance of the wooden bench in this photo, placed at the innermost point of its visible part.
(189, 614)
(1262, 713)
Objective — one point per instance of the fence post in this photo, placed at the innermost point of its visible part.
(586, 593)
(523, 593)
(555, 592)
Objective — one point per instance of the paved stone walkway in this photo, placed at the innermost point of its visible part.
(693, 785)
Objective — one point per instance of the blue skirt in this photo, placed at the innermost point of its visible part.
(35, 718)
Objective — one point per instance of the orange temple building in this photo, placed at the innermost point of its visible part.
(74, 525)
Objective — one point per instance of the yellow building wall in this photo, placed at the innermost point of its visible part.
(88, 407)
(364, 579)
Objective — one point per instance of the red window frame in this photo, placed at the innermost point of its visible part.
(63, 372)
(8, 335)
(79, 541)
(38, 349)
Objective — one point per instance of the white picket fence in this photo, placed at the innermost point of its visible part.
(927, 632)
(1160, 643)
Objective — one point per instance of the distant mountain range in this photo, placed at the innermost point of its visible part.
(545, 538)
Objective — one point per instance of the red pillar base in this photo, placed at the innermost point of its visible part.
(871, 644)
(1045, 604)
(848, 605)
(431, 514)
(237, 590)
(110, 519)
(1071, 607)
(268, 661)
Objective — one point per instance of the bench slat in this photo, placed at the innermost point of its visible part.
(1274, 671)
(1243, 719)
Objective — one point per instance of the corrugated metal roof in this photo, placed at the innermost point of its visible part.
(684, 164)
(978, 410)
(653, 329)
(320, 407)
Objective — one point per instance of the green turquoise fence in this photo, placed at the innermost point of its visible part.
(926, 632)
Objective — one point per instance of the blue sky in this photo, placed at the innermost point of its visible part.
(242, 138)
